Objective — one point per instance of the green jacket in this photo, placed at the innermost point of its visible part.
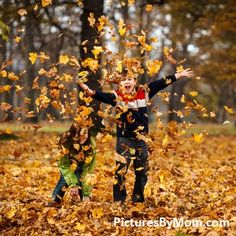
(87, 168)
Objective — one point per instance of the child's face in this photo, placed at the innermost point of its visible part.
(83, 135)
(128, 84)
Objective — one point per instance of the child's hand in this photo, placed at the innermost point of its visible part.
(185, 73)
(86, 88)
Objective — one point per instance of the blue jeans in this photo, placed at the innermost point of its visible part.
(59, 190)
(131, 148)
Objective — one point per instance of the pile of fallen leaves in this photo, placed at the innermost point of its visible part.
(189, 178)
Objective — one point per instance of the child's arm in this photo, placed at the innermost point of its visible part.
(98, 95)
(158, 85)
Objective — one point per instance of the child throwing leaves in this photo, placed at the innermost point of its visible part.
(131, 103)
(78, 151)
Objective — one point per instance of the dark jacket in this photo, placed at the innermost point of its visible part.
(132, 112)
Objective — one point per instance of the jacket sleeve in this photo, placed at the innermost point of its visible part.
(109, 98)
(160, 84)
(68, 174)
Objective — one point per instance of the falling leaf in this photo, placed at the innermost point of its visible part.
(179, 69)
(149, 7)
(32, 57)
(122, 28)
(18, 88)
(91, 20)
(17, 39)
(5, 88)
(182, 98)
(46, 2)
(64, 59)
(96, 51)
(3, 73)
(12, 76)
(212, 114)
(36, 7)
(153, 66)
(22, 12)
(193, 93)
(228, 109)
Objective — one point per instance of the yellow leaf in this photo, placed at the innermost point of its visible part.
(91, 63)
(36, 7)
(3, 73)
(228, 109)
(132, 151)
(64, 59)
(18, 88)
(96, 51)
(122, 28)
(91, 20)
(76, 146)
(198, 137)
(5, 88)
(140, 168)
(46, 2)
(212, 114)
(56, 105)
(131, 2)
(79, 227)
(182, 99)
(148, 7)
(17, 39)
(11, 213)
(148, 48)
(165, 140)
(153, 66)
(97, 213)
(88, 159)
(22, 12)
(179, 69)
(12, 76)
(193, 93)
(161, 178)
(119, 67)
(8, 131)
(32, 57)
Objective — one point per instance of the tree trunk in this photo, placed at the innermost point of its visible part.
(90, 34)
(30, 71)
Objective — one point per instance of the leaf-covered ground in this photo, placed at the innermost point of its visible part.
(188, 179)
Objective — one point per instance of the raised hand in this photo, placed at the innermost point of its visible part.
(86, 89)
(185, 73)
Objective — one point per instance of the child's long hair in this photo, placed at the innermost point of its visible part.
(71, 137)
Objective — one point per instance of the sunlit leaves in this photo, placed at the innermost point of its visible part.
(228, 109)
(5, 88)
(33, 57)
(148, 7)
(122, 27)
(22, 12)
(63, 59)
(46, 2)
(153, 66)
(96, 51)
(91, 20)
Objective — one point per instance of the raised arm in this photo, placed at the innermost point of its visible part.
(108, 98)
(160, 84)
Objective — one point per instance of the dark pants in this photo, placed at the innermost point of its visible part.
(131, 148)
(59, 190)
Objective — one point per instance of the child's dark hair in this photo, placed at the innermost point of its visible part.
(71, 137)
